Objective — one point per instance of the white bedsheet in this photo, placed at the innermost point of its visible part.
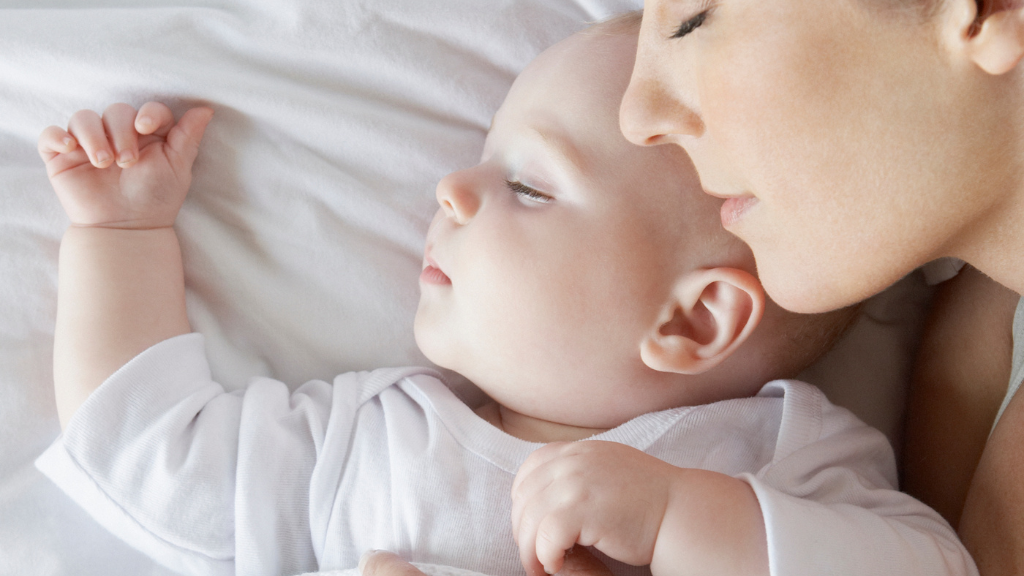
(303, 231)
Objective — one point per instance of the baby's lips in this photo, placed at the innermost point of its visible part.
(432, 271)
(434, 275)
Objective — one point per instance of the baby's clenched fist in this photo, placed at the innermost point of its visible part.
(125, 169)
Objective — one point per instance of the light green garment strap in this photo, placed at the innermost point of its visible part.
(1017, 372)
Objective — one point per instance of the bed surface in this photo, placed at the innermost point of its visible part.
(303, 231)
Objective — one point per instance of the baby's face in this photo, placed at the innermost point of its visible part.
(549, 260)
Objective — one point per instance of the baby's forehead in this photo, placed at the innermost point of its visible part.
(577, 86)
(586, 72)
(590, 58)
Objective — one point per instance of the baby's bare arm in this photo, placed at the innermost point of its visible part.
(119, 292)
(121, 179)
(713, 525)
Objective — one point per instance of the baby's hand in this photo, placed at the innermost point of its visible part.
(594, 493)
(127, 169)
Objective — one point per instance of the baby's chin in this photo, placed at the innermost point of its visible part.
(428, 340)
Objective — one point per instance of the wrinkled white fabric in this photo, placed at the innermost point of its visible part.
(264, 481)
(1017, 364)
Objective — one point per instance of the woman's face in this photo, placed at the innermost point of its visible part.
(837, 130)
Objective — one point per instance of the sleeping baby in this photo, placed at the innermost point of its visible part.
(630, 356)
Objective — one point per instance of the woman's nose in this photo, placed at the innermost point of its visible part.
(457, 197)
(652, 114)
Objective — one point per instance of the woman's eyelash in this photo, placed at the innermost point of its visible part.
(690, 25)
(521, 189)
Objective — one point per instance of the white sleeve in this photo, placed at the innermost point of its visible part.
(204, 481)
(831, 506)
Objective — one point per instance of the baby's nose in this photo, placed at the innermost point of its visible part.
(457, 197)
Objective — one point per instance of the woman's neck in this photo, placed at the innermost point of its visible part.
(532, 429)
(993, 241)
(995, 245)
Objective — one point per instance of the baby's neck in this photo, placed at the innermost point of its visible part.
(532, 429)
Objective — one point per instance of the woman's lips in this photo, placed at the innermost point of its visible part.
(433, 275)
(733, 209)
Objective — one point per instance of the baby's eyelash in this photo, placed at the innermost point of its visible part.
(525, 191)
(691, 25)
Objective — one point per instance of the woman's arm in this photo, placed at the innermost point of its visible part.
(960, 378)
(992, 522)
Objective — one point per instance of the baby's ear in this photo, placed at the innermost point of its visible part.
(711, 312)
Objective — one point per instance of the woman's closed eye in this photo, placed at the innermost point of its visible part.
(524, 192)
(691, 24)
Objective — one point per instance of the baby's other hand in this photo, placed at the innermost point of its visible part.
(127, 169)
(593, 493)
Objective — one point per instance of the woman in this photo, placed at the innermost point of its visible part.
(855, 140)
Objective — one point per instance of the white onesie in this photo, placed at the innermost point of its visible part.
(264, 481)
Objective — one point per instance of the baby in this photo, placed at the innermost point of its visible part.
(584, 283)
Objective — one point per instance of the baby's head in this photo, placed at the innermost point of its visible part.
(581, 279)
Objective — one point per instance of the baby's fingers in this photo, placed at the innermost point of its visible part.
(186, 135)
(87, 128)
(580, 562)
(544, 540)
(119, 121)
(154, 118)
(54, 141)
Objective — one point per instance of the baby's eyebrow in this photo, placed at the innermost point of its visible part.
(561, 146)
